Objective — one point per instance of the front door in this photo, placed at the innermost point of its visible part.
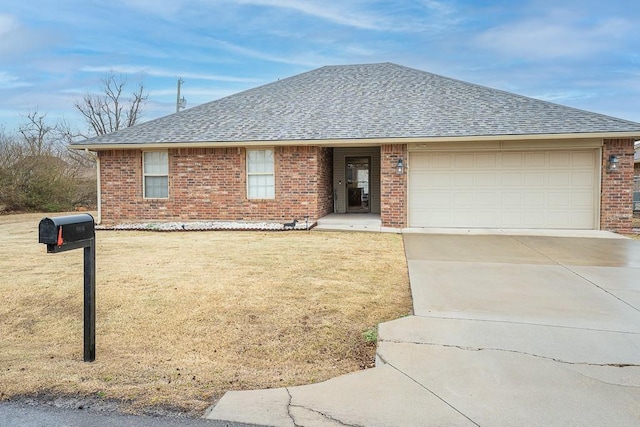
(358, 169)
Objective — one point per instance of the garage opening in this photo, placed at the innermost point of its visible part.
(554, 189)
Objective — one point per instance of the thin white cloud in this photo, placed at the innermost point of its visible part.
(565, 97)
(558, 35)
(307, 59)
(9, 81)
(159, 72)
(335, 12)
(195, 94)
(406, 17)
(7, 24)
(15, 38)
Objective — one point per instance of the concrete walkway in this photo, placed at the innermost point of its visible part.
(508, 330)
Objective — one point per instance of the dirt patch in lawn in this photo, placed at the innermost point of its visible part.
(183, 317)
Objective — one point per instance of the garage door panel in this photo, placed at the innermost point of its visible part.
(463, 199)
(481, 218)
(487, 160)
(563, 218)
(512, 160)
(560, 179)
(485, 198)
(580, 217)
(583, 159)
(465, 161)
(561, 159)
(511, 199)
(582, 199)
(536, 219)
(441, 181)
(581, 179)
(441, 161)
(487, 179)
(535, 189)
(535, 179)
(464, 180)
(534, 160)
(437, 200)
(533, 199)
(560, 199)
(512, 179)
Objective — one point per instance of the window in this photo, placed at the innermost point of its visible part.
(260, 179)
(155, 168)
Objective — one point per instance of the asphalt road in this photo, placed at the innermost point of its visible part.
(16, 414)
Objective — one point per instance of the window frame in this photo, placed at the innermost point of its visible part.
(145, 175)
(249, 174)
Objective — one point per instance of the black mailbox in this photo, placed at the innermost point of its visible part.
(64, 233)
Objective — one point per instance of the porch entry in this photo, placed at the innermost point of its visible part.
(358, 184)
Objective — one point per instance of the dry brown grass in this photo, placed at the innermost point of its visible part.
(184, 317)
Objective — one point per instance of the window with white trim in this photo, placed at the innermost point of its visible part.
(155, 169)
(260, 175)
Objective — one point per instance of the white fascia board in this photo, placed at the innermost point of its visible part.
(348, 142)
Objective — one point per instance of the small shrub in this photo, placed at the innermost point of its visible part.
(370, 335)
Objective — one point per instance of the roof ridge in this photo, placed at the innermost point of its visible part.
(368, 101)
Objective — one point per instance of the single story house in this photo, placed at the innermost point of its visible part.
(419, 149)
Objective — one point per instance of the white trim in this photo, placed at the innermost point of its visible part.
(145, 175)
(508, 145)
(273, 173)
(98, 189)
(598, 195)
(356, 142)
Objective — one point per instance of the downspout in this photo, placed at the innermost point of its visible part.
(98, 192)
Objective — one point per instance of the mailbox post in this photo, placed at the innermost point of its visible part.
(69, 232)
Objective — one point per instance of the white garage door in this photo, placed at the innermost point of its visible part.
(532, 189)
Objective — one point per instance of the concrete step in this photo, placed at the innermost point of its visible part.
(353, 222)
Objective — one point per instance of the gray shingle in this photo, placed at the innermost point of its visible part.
(366, 101)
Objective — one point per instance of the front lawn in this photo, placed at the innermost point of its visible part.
(183, 317)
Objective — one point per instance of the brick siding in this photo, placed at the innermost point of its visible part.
(210, 184)
(393, 191)
(617, 187)
(325, 182)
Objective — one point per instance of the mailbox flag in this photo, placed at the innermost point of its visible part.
(60, 240)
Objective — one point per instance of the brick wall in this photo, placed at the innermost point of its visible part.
(325, 182)
(393, 187)
(210, 184)
(617, 187)
(120, 180)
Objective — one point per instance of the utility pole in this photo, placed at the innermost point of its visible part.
(180, 102)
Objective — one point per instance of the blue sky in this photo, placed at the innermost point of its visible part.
(580, 53)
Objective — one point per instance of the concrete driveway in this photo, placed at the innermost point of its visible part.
(507, 330)
(524, 330)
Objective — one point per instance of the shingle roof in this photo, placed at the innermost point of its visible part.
(365, 101)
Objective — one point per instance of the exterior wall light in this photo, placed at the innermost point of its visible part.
(613, 164)
(400, 167)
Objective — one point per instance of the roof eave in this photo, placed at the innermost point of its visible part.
(354, 142)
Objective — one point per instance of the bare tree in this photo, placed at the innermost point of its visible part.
(39, 172)
(10, 150)
(110, 111)
(37, 134)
